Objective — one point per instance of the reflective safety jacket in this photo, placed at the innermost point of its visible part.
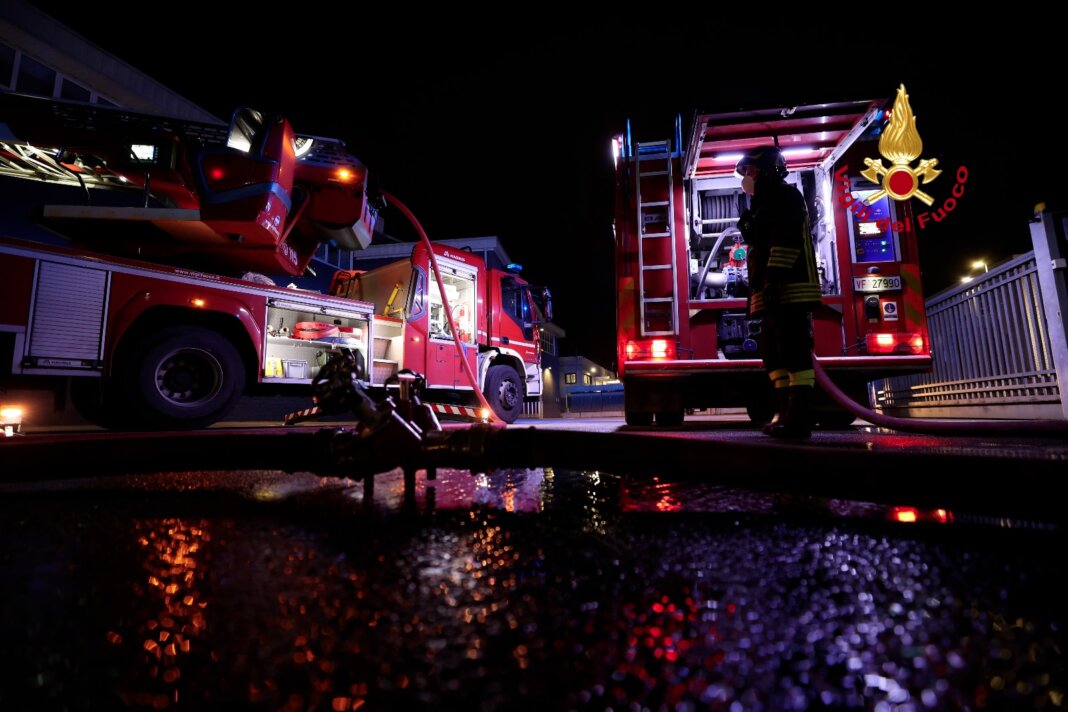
(776, 232)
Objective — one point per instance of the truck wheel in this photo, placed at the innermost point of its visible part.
(184, 377)
(505, 391)
(639, 417)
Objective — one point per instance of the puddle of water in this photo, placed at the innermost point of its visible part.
(540, 588)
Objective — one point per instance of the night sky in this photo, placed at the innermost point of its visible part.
(491, 126)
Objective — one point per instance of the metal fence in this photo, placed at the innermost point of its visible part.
(991, 349)
(601, 402)
(532, 409)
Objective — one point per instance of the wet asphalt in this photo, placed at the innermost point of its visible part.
(514, 589)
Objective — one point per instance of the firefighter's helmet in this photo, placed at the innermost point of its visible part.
(768, 159)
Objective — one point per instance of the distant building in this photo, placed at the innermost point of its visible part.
(552, 377)
(580, 372)
(589, 387)
(43, 57)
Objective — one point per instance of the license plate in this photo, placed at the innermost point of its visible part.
(876, 284)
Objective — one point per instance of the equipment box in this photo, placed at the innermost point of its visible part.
(294, 369)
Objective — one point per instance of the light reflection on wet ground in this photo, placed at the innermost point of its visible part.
(517, 588)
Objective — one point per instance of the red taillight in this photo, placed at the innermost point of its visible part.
(911, 515)
(216, 174)
(894, 343)
(652, 349)
(943, 516)
(904, 514)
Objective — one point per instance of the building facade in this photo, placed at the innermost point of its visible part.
(43, 57)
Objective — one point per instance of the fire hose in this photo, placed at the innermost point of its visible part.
(925, 425)
(445, 301)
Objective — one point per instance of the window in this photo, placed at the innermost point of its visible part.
(7, 64)
(74, 91)
(570, 379)
(416, 305)
(548, 343)
(460, 290)
(513, 301)
(35, 78)
(587, 379)
(516, 305)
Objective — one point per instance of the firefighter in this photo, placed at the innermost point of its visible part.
(784, 287)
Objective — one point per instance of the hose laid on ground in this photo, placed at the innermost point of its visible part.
(924, 425)
(392, 199)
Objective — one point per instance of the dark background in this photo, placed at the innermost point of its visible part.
(498, 122)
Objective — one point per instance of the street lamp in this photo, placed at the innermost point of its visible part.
(979, 263)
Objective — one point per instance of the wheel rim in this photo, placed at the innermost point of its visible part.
(508, 393)
(189, 377)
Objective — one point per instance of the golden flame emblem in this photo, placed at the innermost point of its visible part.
(901, 145)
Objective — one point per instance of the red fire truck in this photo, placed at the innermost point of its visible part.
(494, 314)
(160, 346)
(685, 340)
(166, 338)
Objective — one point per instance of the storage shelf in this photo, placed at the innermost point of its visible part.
(311, 342)
(282, 379)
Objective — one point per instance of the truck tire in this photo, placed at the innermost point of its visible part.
(184, 377)
(505, 391)
(639, 417)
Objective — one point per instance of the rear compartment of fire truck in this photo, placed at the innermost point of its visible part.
(693, 344)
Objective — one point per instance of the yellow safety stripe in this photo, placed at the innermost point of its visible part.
(803, 378)
(785, 252)
(795, 293)
(783, 256)
(779, 373)
(788, 294)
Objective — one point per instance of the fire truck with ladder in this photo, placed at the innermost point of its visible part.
(134, 251)
(684, 338)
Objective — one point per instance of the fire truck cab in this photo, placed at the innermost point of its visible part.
(685, 339)
(494, 313)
